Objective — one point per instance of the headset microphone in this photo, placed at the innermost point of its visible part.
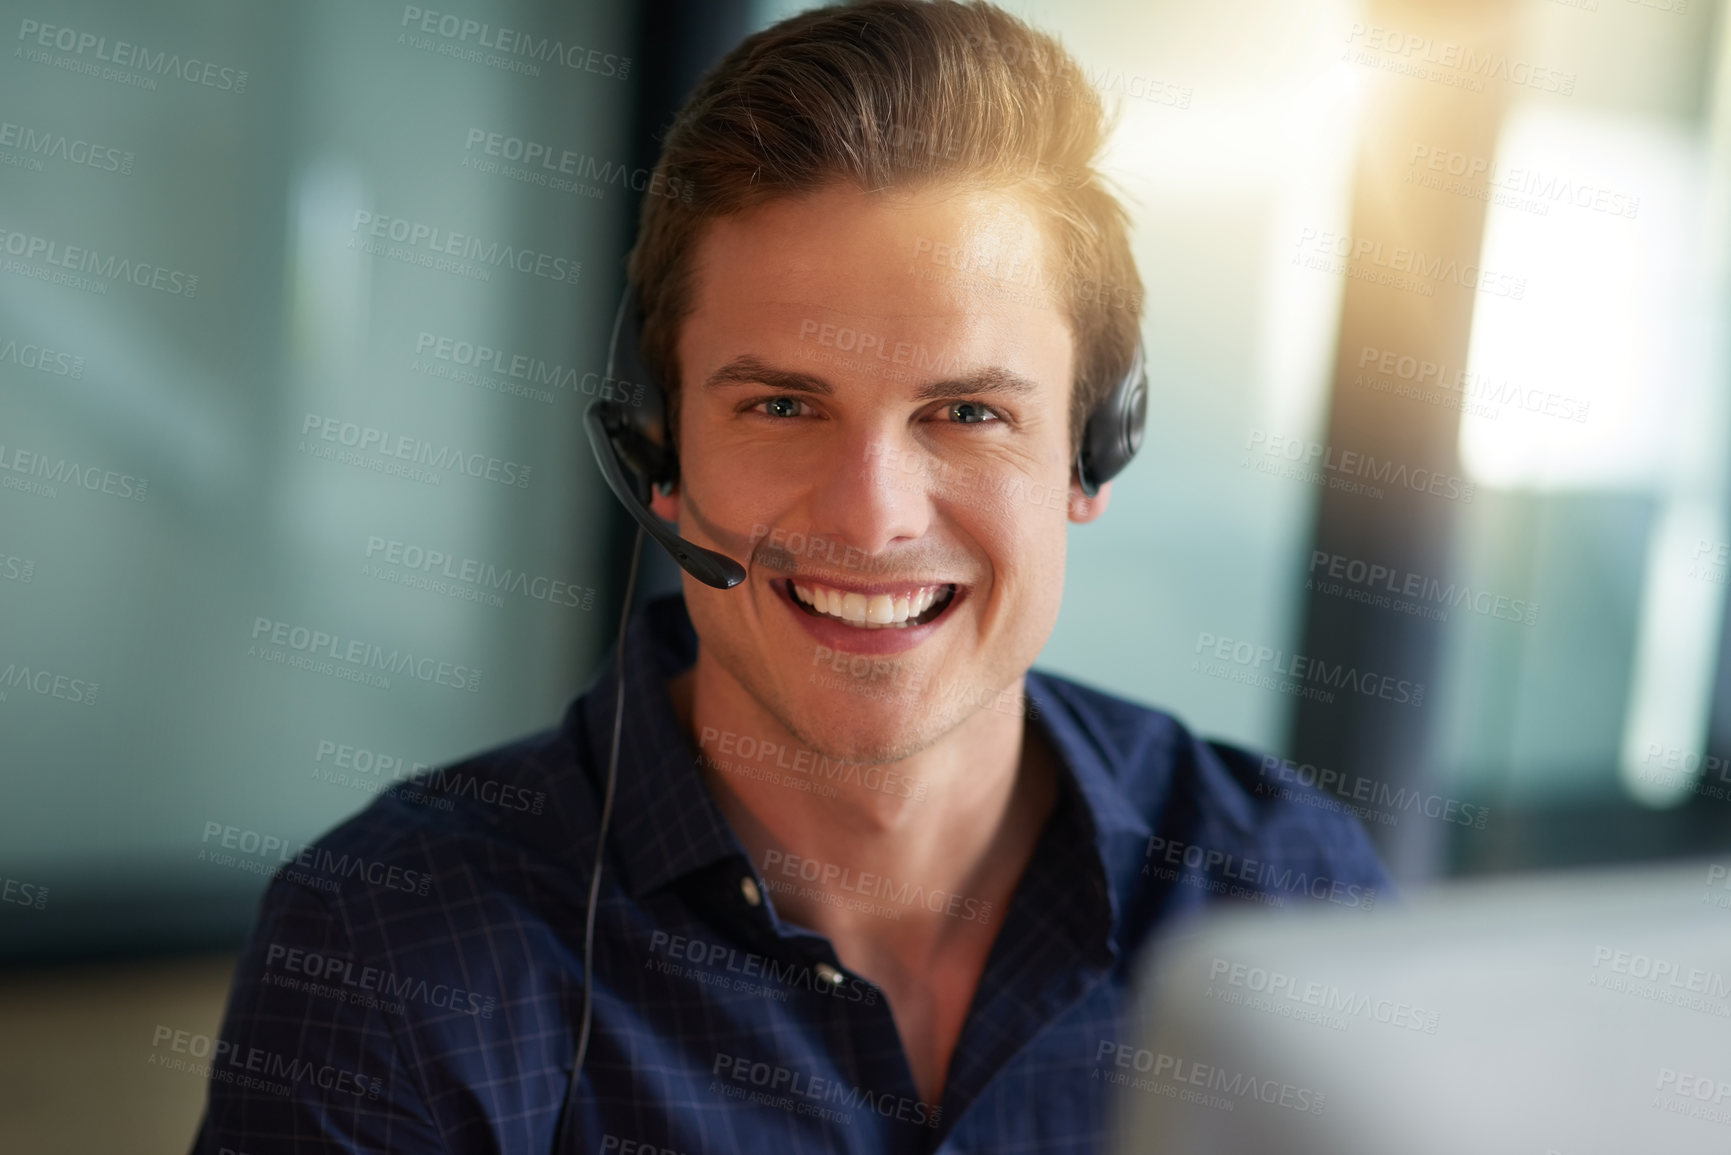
(616, 436)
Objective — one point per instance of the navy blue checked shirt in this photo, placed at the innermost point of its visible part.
(372, 1017)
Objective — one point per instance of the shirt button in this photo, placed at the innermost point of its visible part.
(828, 973)
(748, 887)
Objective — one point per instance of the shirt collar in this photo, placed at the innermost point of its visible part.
(1118, 828)
(1114, 815)
(666, 823)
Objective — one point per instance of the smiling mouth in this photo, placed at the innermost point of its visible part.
(914, 607)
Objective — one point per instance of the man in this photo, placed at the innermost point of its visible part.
(871, 885)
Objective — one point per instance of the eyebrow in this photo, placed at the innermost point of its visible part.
(749, 370)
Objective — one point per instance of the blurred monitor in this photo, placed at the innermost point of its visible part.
(1566, 1014)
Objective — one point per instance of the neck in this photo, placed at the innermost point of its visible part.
(864, 852)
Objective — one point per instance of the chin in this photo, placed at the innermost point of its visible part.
(860, 723)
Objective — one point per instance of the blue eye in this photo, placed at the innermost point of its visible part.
(977, 413)
(779, 406)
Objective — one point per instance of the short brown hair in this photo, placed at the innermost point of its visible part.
(890, 94)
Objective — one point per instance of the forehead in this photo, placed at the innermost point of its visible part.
(961, 270)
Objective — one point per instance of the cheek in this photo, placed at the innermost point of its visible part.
(1025, 539)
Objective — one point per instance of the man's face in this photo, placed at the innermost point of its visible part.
(873, 420)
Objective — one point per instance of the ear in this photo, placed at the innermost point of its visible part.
(665, 505)
(1083, 508)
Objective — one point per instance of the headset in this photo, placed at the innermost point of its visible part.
(634, 452)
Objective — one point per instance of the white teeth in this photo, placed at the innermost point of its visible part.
(872, 611)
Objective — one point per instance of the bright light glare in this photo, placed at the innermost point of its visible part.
(1618, 318)
(1609, 315)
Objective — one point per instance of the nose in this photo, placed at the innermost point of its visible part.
(875, 492)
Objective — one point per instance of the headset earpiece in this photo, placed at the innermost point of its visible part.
(1113, 432)
(655, 460)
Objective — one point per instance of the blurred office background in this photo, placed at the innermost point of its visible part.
(1436, 314)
